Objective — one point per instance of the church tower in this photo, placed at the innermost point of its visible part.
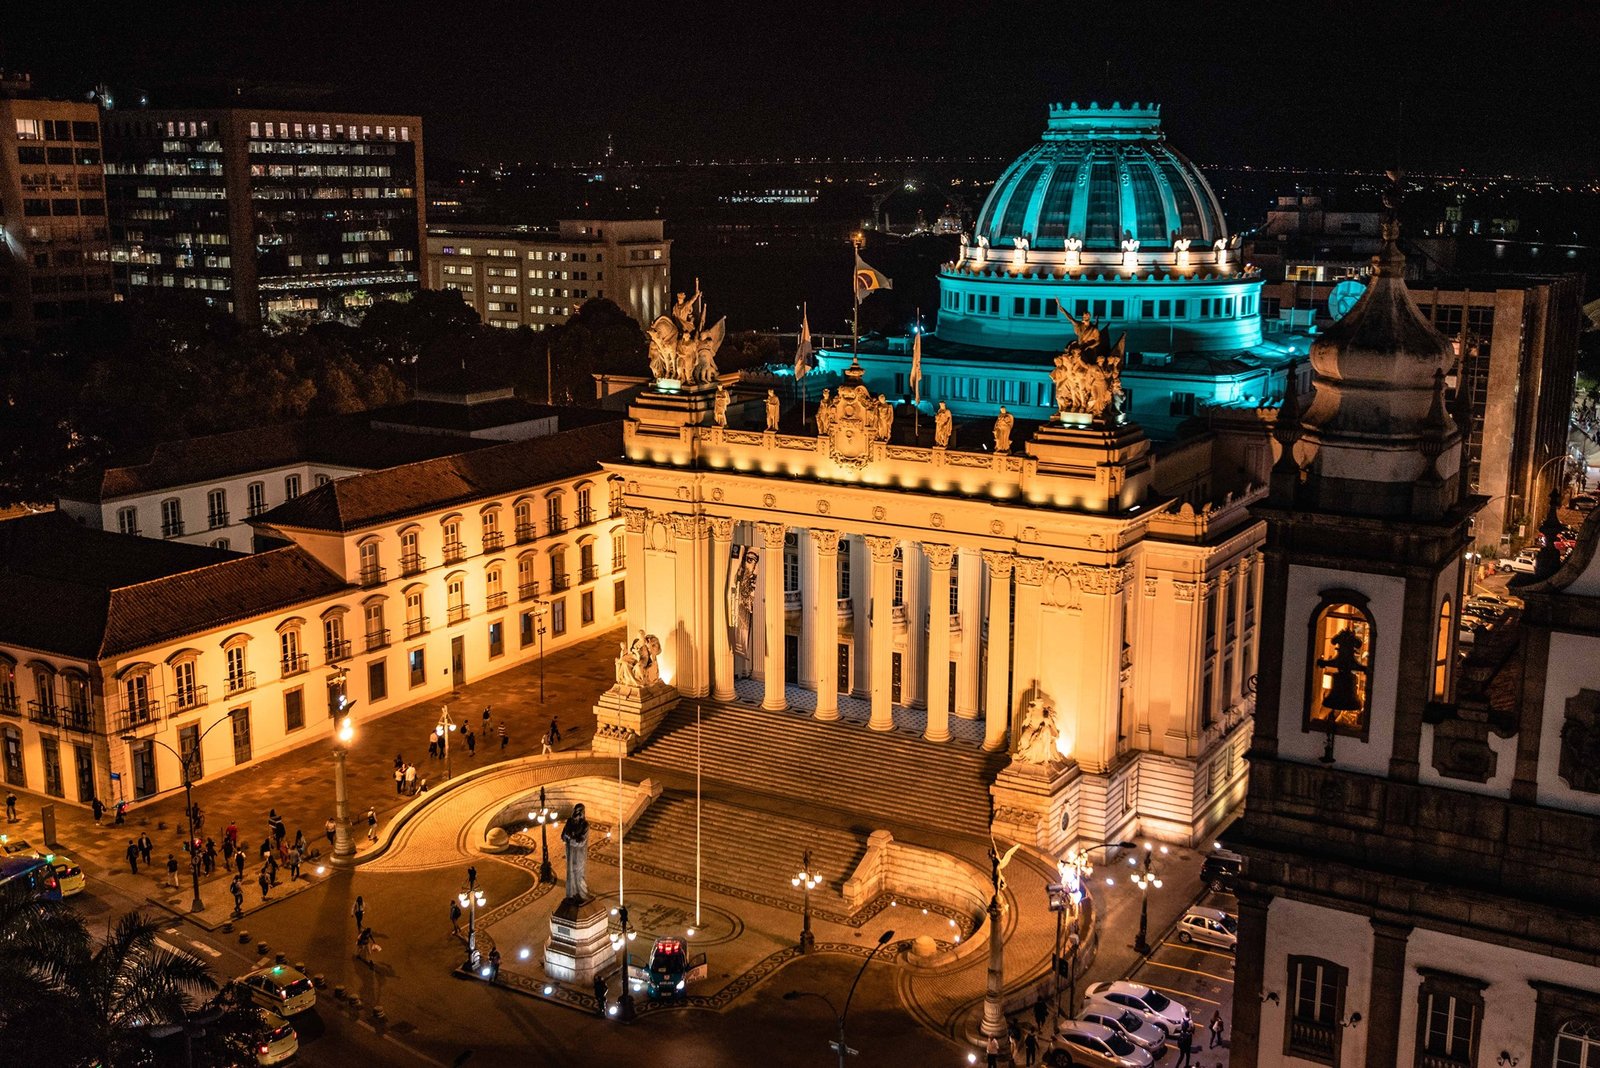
(1366, 526)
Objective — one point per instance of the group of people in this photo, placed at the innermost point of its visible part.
(1023, 1048)
(406, 782)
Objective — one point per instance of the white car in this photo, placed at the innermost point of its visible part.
(1147, 1036)
(1091, 1044)
(1208, 927)
(278, 1040)
(1149, 1005)
(280, 989)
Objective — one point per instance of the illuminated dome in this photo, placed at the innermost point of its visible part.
(1099, 175)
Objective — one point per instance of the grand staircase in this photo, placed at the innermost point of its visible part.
(866, 779)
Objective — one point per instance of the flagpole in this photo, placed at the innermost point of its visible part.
(857, 242)
(916, 388)
(799, 384)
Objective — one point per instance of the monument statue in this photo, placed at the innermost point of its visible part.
(1036, 742)
(1002, 430)
(824, 415)
(943, 423)
(719, 407)
(682, 349)
(772, 409)
(575, 836)
(884, 413)
(1088, 375)
(742, 600)
(636, 665)
(966, 244)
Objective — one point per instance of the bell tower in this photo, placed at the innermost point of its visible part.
(1366, 525)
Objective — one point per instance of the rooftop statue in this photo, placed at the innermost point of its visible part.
(1088, 375)
(682, 349)
(943, 423)
(1002, 430)
(637, 667)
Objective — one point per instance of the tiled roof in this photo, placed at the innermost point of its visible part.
(381, 496)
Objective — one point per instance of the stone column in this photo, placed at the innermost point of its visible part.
(633, 580)
(997, 702)
(824, 600)
(968, 698)
(1388, 989)
(690, 669)
(806, 662)
(880, 633)
(938, 688)
(1249, 980)
(721, 642)
(773, 696)
(914, 665)
(1027, 639)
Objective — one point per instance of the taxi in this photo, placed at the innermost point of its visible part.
(69, 876)
(278, 1040)
(280, 989)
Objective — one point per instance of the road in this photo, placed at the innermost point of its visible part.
(1200, 977)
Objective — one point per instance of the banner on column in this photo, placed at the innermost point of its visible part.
(741, 595)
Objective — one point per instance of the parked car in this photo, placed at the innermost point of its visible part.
(68, 875)
(1091, 1044)
(278, 1040)
(1148, 1004)
(1522, 563)
(280, 988)
(1147, 1036)
(1220, 870)
(1208, 927)
(1584, 502)
(1484, 617)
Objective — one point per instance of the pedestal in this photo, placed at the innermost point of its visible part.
(580, 942)
(1033, 804)
(625, 716)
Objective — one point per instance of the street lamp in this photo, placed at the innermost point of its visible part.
(471, 899)
(838, 1045)
(544, 816)
(188, 801)
(343, 845)
(807, 881)
(443, 729)
(541, 609)
(623, 940)
(1144, 877)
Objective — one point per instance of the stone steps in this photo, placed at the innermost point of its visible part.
(885, 780)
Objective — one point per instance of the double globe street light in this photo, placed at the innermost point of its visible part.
(1144, 877)
(471, 900)
(806, 881)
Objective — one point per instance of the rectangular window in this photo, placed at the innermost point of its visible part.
(619, 597)
(217, 508)
(1449, 1011)
(586, 607)
(241, 734)
(294, 709)
(256, 497)
(189, 747)
(50, 750)
(558, 617)
(171, 518)
(417, 664)
(1312, 1028)
(377, 681)
(1182, 404)
(128, 521)
(291, 487)
(525, 629)
(497, 639)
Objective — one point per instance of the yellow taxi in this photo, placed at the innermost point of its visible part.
(278, 1040)
(280, 989)
(68, 874)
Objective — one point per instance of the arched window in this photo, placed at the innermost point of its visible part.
(1578, 1044)
(585, 505)
(291, 659)
(492, 538)
(238, 675)
(522, 516)
(559, 579)
(367, 556)
(187, 692)
(494, 587)
(899, 577)
(411, 561)
(586, 565)
(1441, 655)
(454, 551)
(8, 686)
(455, 596)
(1340, 664)
(527, 577)
(554, 521)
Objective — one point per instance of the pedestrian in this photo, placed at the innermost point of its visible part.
(544, 745)
(272, 869)
(279, 831)
(433, 746)
(1040, 1011)
(329, 828)
(300, 841)
(486, 719)
(146, 847)
(1013, 1033)
(494, 964)
(1030, 1048)
(992, 1053)
(227, 853)
(422, 785)
(1215, 1027)
(504, 739)
(1185, 1046)
(266, 849)
(266, 887)
(172, 869)
(411, 778)
(399, 761)
(236, 888)
(99, 808)
(197, 819)
(455, 917)
(372, 825)
(122, 807)
(399, 779)
(367, 945)
(359, 911)
(555, 732)
(238, 861)
(11, 807)
(209, 856)
(472, 743)
(231, 834)
(600, 994)
(133, 857)
(294, 865)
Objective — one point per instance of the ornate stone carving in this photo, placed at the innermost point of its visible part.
(719, 408)
(1061, 584)
(1097, 541)
(717, 493)
(938, 555)
(637, 663)
(681, 348)
(998, 563)
(944, 423)
(721, 527)
(1150, 583)
(1030, 570)
(878, 512)
(772, 535)
(1088, 376)
(744, 437)
(1037, 738)
(853, 420)
(1104, 580)
(1580, 742)
(1184, 590)
(635, 518)
(768, 500)
(823, 507)
(936, 520)
(996, 526)
(1002, 430)
(881, 548)
(687, 526)
(827, 541)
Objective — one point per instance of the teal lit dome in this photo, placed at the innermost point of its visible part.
(1099, 174)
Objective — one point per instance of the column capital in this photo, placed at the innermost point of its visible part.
(1225, 577)
(998, 563)
(687, 526)
(827, 541)
(938, 555)
(1030, 570)
(721, 527)
(772, 534)
(881, 548)
(635, 518)
(1184, 590)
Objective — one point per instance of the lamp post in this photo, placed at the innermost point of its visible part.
(1144, 877)
(470, 899)
(806, 881)
(343, 845)
(541, 609)
(623, 940)
(838, 1045)
(1074, 869)
(544, 816)
(444, 727)
(188, 802)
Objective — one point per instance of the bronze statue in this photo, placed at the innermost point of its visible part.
(575, 836)
(772, 409)
(943, 424)
(719, 407)
(1002, 430)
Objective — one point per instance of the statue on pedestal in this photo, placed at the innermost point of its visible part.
(719, 408)
(636, 662)
(1036, 742)
(824, 415)
(1002, 430)
(682, 349)
(772, 409)
(575, 836)
(1088, 375)
(884, 413)
(943, 424)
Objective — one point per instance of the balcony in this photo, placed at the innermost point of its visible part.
(217, 519)
(526, 532)
(1314, 1041)
(135, 716)
(791, 600)
(173, 529)
(192, 698)
(899, 615)
(847, 610)
(336, 650)
(528, 591)
(588, 572)
(416, 628)
(77, 720)
(43, 712)
(241, 681)
(256, 508)
(10, 705)
(556, 525)
(454, 552)
(294, 665)
(493, 541)
(1442, 1060)
(377, 639)
(559, 581)
(585, 516)
(458, 614)
(373, 576)
(413, 564)
(495, 601)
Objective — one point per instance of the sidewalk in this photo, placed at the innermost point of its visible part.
(299, 782)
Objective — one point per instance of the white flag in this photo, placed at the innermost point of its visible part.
(803, 350)
(916, 363)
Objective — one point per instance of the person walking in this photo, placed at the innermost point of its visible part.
(600, 994)
(329, 828)
(1040, 1011)
(146, 847)
(122, 808)
(1215, 1027)
(472, 743)
(372, 825)
(991, 1053)
(300, 842)
(433, 746)
(544, 745)
(272, 869)
(411, 779)
(99, 808)
(1185, 1045)
(266, 849)
(236, 888)
(504, 738)
(399, 779)
(227, 852)
(230, 833)
(1030, 1048)
(359, 911)
(132, 853)
(494, 965)
(279, 830)
(555, 732)
(197, 818)
(209, 857)
(486, 715)
(455, 918)
(11, 807)
(172, 869)
(294, 865)
(238, 861)
(367, 945)
(266, 887)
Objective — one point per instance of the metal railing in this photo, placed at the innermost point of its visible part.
(556, 525)
(172, 530)
(10, 705)
(417, 627)
(494, 601)
(336, 650)
(458, 613)
(1313, 1041)
(454, 552)
(413, 564)
(241, 681)
(559, 581)
(528, 591)
(588, 572)
(217, 519)
(193, 697)
(377, 639)
(374, 576)
(585, 516)
(137, 716)
(493, 541)
(526, 532)
(294, 665)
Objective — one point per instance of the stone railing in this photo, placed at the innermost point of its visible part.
(894, 867)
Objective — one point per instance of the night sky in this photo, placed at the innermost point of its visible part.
(1485, 87)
